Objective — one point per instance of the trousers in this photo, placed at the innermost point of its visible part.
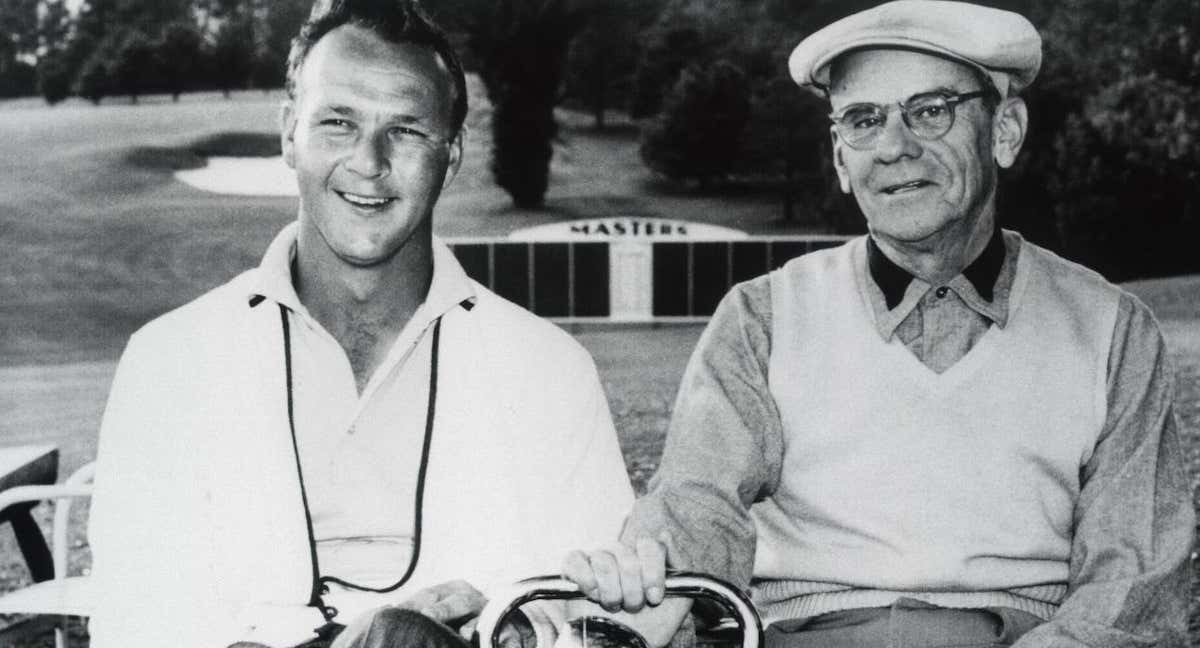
(397, 628)
(907, 623)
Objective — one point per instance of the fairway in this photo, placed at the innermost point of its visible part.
(96, 238)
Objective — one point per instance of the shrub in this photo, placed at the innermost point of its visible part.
(53, 80)
(94, 82)
(699, 133)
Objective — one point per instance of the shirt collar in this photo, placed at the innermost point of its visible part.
(892, 293)
(982, 273)
(449, 287)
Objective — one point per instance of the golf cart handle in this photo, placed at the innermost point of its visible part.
(689, 584)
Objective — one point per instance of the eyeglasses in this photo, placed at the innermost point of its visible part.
(929, 116)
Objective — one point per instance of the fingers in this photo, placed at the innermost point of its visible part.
(620, 577)
(447, 602)
(468, 628)
(652, 562)
(609, 589)
(578, 569)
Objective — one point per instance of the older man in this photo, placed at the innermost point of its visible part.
(938, 434)
(354, 423)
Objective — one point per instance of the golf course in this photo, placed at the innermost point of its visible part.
(97, 236)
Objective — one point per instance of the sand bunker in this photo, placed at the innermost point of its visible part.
(242, 176)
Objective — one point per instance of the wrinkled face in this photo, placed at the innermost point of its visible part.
(910, 188)
(369, 135)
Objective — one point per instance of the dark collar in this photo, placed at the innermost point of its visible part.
(893, 280)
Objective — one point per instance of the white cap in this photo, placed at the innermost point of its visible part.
(1002, 44)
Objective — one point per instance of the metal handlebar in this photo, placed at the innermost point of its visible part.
(691, 585)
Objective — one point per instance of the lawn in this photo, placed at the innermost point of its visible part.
(96, 238)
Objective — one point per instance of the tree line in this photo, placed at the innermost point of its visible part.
(1108, 173)
(137, 47)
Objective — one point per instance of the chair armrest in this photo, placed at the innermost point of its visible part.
(19, 494)
(77, 485)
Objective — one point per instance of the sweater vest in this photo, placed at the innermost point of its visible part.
(957, 488)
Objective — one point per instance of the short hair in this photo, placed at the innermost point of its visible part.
(395, 21)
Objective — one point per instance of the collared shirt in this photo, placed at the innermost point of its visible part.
(1134, 520)
(360, 453)
(940, 324)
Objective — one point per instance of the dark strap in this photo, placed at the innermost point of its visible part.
(320, 583)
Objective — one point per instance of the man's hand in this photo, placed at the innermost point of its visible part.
(630, 583)
(620, 577)
(450, 603)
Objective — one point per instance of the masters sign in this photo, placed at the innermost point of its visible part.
(627, 228)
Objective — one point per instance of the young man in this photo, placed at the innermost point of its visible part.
(938, 434)
(354, 423)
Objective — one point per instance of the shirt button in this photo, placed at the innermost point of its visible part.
(942, 292)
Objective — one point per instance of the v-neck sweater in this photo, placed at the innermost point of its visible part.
(1126, 575)
(896, 478)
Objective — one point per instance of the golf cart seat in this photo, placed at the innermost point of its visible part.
(738, 622)
(52, 596)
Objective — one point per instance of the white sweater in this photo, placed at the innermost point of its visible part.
(197, 528)
(893, 486)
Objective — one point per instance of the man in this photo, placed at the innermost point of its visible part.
(354, 423)
(938, 434)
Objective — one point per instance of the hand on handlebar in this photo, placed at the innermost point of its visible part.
(619, 577)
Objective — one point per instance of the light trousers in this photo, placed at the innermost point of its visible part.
(907, 623)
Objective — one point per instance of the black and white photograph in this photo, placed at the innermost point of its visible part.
(599, 323)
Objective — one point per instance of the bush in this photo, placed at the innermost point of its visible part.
(699, 133)
(179, 53)
(94, 82)
(53, 80)
(17, 79)
(135, 70)
(1125, 185)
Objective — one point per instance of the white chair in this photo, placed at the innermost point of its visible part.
(60, 596)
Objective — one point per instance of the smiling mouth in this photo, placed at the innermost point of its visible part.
(366, 202)
(906, 186)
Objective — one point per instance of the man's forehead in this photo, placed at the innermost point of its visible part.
(411, 69)
(893, 74)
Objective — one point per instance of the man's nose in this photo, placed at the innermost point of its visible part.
(896, 141)
(369, 158)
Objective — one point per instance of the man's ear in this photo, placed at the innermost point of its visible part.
(838, 163)
(456, 154)
(1008, 131)
(287, 131)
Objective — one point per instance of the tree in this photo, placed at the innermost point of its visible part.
(602, 58)
(94, 82)
(54, 26)
(281, 21)
(53, 79)
(666, 54)
(134, 65)
(787, 137)
(178, 53)
(18, 29)
(521, 47)
(1127, 179)
(698, 135)
(18, 43)
(234, 52)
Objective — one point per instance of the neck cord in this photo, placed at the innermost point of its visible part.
(321, 583)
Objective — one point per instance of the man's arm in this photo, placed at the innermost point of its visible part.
(1134, 520)
(145, 526)
(723, 452)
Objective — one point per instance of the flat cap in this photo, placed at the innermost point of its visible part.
(1003, 44)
